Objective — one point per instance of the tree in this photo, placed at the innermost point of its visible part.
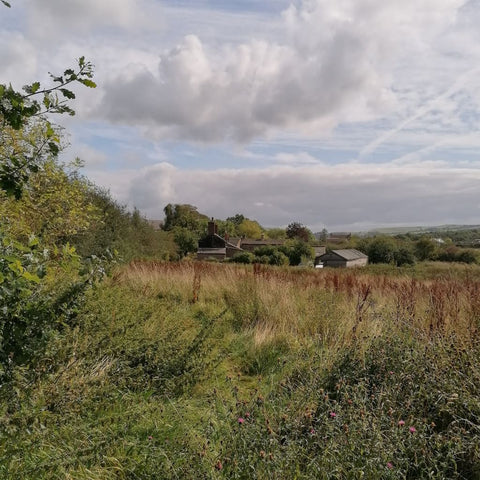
(276, 233)
(237, 219)
(425, 248)
(296, 251)
(381, 250)
(299, 231)
(186, 240)
(23, 110)
(38, 290)
(55, 206)
(184, 216)
(249, 228)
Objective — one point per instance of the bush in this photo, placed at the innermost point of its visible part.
(381, 250)
(244, 257)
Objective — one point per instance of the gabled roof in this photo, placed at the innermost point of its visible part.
(349, 254)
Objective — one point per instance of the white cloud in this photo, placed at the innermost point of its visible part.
(52, 17)
(335, 64)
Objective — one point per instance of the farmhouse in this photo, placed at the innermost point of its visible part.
(213, 246)
(344, 258)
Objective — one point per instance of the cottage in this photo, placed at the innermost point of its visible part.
(213, 246)
(344, 258)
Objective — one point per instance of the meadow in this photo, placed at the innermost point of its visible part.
(201, 371)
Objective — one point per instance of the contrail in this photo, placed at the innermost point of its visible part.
(458, 85)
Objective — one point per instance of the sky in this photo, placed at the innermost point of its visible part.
(346, 115)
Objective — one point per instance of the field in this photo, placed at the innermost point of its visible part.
(203, 371)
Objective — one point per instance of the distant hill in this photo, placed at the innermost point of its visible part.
(420, 229)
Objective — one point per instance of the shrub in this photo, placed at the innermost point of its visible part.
(244, 257)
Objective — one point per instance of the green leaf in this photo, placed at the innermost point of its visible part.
(34, 87)
(30, 277)
(32, 241)
(67, 93)
(6, 3)
(88, 83)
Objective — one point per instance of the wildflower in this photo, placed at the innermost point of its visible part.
(150, 437)
(312, 431)
(333, 414)
(219, 465)
(240, 420)
(401, 423)
(389, 465)
(262, 453)
(412, 429)
(247, 414)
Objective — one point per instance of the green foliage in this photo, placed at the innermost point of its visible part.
(146, 384)
(250, 229)
(270, 256)
(404, 256)
(21, 110)
(296, 251)
(184, 216)
(186, 240)
(425, 249)
(244, 257)
(298, 231)
(117, 229)
(382, 250)
(276, 233)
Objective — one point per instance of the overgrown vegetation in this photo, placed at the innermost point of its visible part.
(190, 370)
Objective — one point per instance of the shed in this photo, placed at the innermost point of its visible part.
(344, 258)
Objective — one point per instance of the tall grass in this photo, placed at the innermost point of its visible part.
(200, 370)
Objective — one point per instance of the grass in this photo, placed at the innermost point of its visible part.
(191, 371)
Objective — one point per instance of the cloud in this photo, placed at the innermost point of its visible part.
(352, 196)
(334, 65)
(51, 17)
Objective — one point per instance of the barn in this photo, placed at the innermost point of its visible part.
(344, 258)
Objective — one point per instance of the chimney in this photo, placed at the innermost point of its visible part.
(212, 228)
(227, 236)
(263, 236)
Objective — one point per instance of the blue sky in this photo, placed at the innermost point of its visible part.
(347, 115)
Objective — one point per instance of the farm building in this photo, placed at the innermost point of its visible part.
(217, 247)
(250, 244)
(344, 258)
(213, 246)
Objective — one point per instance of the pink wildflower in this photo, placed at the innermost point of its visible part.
(240, 420)
(247, 414)
(333, 414)
(390, 465)
(412, 429)
(150, 437)
(401, 423)
(312, 431)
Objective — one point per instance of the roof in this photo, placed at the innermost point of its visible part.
(267, 241)
(349, 254)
